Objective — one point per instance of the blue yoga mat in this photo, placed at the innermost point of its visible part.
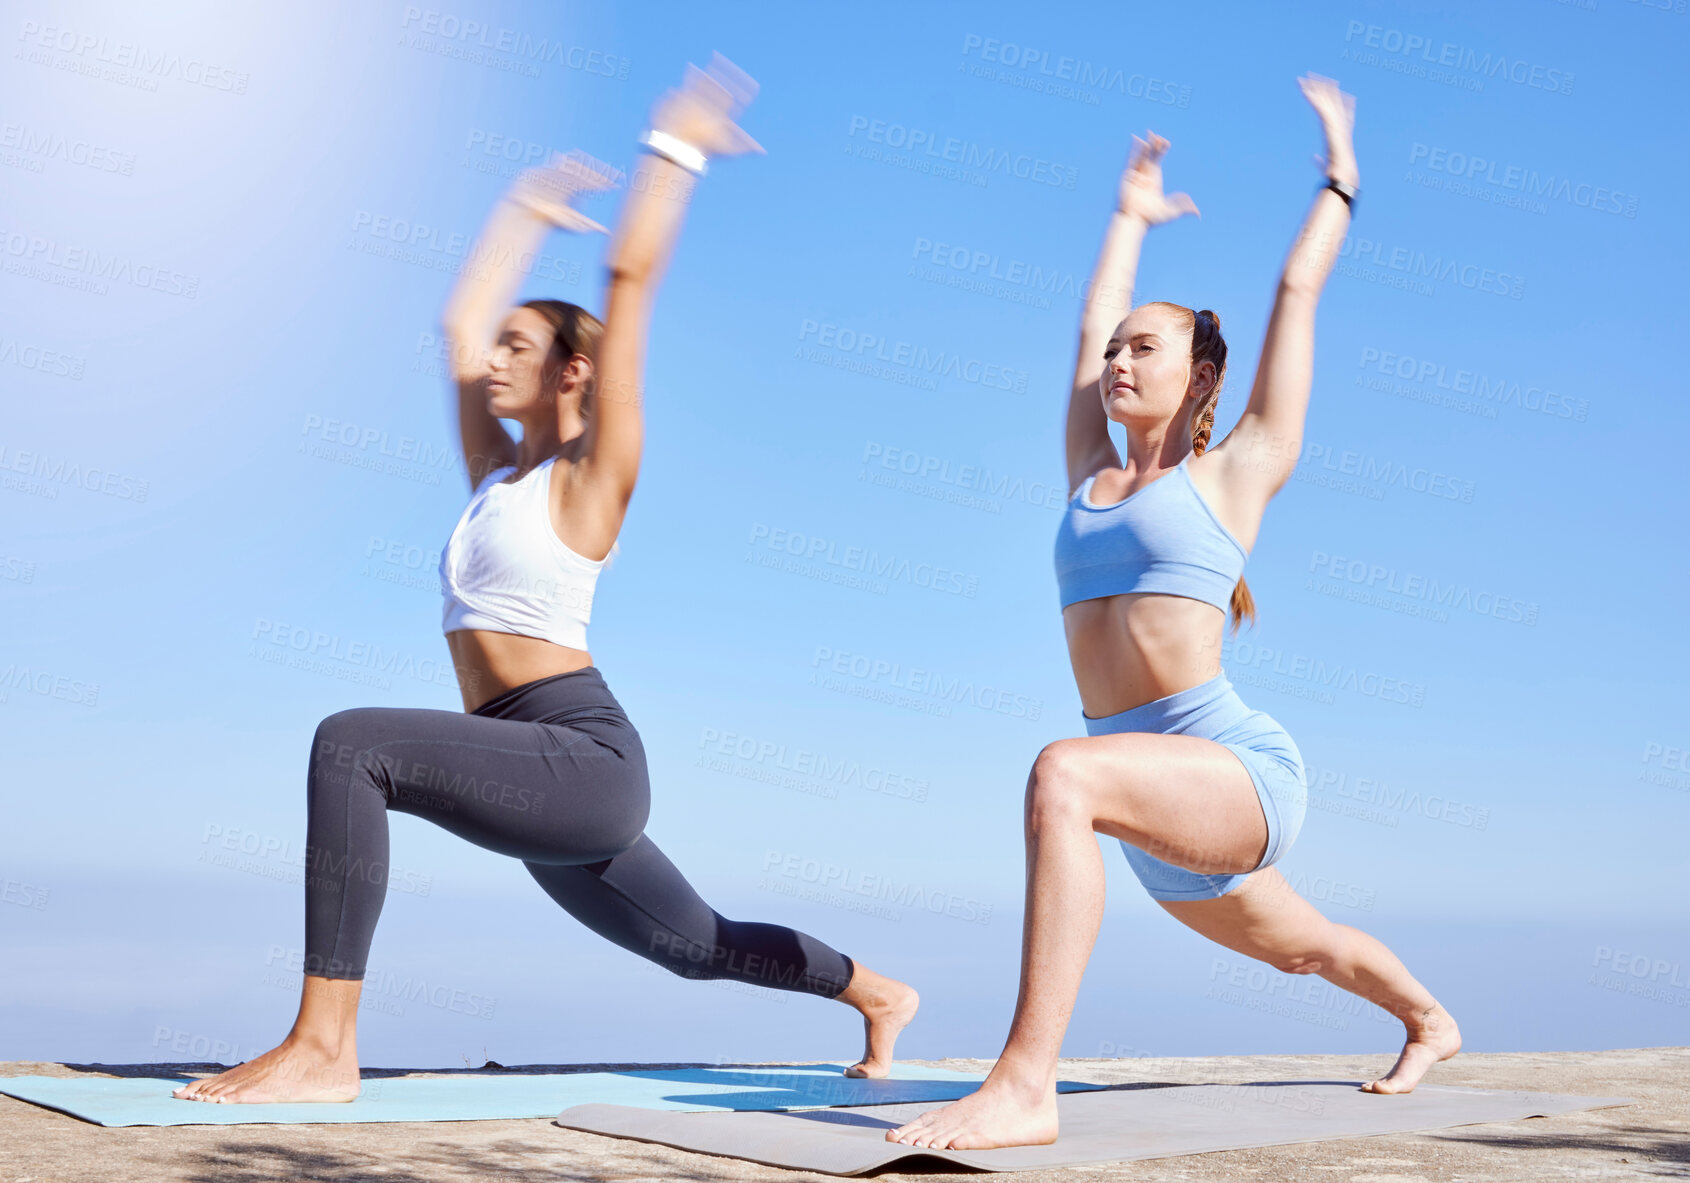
(125, 1101)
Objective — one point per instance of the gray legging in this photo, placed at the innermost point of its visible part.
(550, 772)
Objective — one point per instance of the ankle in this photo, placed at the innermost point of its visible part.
(1028, 1082)
(319, 1044)
(869, 992)
(1426, 1022)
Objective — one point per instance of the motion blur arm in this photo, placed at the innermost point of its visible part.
(659, 193)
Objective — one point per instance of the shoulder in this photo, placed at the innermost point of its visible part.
(494, 477)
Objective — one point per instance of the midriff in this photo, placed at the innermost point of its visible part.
(1127, 650)
(489, 663)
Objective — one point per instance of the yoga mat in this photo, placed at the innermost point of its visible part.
(1114, 1125)
(126, 1101)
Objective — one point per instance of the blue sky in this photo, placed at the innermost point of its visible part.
(226, 240)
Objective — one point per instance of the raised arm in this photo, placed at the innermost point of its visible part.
(700, 115)
(1140, 205)
(1263, 447)
(536, 203)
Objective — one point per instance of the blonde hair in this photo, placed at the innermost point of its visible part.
(1207, 345)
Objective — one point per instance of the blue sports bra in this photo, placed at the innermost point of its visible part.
(1163, 538)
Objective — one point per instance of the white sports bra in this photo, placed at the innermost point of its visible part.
(505, 569)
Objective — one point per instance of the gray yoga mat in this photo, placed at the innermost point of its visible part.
(1109, 1126)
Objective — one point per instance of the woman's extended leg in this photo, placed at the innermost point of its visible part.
(540, 792)
(1267, 920)
(640, 901)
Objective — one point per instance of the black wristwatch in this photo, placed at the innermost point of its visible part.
(1347, 192)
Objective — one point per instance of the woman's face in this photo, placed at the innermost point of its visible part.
(518, 378)
(1147, 367)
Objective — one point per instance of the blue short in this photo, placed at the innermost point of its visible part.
(1214, 711)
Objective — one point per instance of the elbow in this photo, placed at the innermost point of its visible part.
(627, 279)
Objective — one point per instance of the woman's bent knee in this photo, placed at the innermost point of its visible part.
(337, 743)
(1055, 787)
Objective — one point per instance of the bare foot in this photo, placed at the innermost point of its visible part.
(295, 1071)
(996, 1115)
(1434, 1038)
(887, 1006)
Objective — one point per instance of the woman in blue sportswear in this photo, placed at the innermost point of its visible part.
(1203, 793)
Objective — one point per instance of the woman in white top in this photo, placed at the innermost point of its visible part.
(543, 765)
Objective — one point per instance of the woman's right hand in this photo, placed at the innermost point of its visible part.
(701, 111)
(1141, 186)
(549, 189)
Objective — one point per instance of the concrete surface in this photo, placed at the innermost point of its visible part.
(1647, 1141)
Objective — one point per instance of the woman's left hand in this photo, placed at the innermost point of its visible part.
(701, 111)
(1337, 112)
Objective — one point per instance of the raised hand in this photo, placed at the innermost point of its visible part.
(1337, 112)
(549, 189)
(701, 110)
(1141, 185)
